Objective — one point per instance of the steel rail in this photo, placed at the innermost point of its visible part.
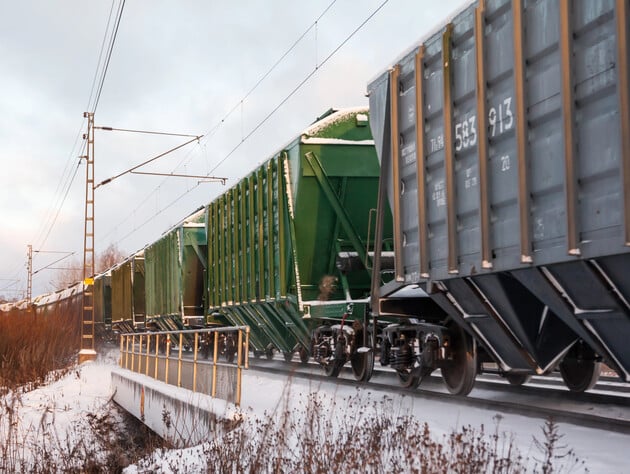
(513, 407)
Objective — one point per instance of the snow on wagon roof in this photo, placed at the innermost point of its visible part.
(318, 128)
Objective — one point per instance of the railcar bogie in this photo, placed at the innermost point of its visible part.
(414, 350)
(333, 346)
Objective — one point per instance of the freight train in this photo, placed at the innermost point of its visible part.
(478, 213)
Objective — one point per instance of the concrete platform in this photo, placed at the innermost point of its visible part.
(181, 416)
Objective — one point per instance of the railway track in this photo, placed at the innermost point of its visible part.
(607, 407)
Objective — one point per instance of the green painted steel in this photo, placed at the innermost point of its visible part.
(176, 274)
(127, 289)
(103, 299)
(193, 270)
(274, 238)
(163, 280)
(122, 293)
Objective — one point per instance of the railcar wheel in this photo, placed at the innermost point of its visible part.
(410, 378)
(288, 356)
(362, 365)
(230, 354)
(580, 375)
(304, 355)
(333, 368)
(162, 345)
(517, 379)
(460, 372)
(269, 353)
(206, 349)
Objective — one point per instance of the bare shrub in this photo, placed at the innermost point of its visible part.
(36, 348)
(352, 437)
(553, 452)
(104, 442)
(317, 436)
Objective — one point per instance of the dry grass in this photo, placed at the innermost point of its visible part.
(317, 437)
(348, 439)
(351, 437)
(36, 348)
(105, 442)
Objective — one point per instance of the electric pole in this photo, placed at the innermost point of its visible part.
(29, 269)
(87, 321)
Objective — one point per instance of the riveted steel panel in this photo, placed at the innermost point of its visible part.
(548, 182)
(554, 153)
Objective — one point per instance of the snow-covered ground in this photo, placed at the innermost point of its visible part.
(71, 404)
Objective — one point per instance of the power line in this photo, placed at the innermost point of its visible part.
(60, 206)
(149, 132)
(69, 254)
(46, 222)
(100, 56)
(109, 55)
(238, 104)
(265, 119)
(299, 86)
(65, 182)
(132, 169)
(69, 181)
(275, 65)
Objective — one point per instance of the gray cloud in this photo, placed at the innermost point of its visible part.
(177, 66)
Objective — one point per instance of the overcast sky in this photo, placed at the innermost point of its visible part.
(177, 66)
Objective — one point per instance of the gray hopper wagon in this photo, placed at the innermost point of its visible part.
(504, 141)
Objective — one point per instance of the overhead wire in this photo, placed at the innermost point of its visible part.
(299, 86)
(67, 178)
(236, 106)
(76, 169)
(67, 181)
(101, 83)
(70, 254)
(39, 241)
(110, 50)
(208, 135)
(271, 69)
(100, 56)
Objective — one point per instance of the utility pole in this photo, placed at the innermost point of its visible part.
(87, 320)
(29, 269)
(88, 351)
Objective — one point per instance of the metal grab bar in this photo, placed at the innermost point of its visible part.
(150, 354)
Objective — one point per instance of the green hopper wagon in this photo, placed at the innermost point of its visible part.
(289, 244)
(103, 298)
(128, 296)
(175, 276)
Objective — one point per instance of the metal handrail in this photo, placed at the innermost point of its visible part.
(140, 352)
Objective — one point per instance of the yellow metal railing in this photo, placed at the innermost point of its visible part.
(207, 361)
